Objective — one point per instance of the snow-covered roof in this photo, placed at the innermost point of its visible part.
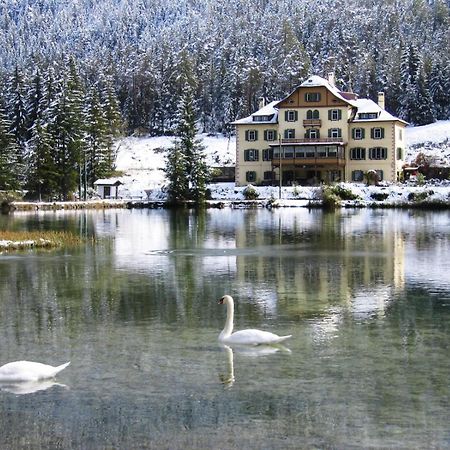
(316, 81)
(366, 106)
(269, 111)
(107, 182)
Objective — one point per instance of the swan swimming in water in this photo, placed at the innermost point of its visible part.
(244, 337)
(29, 371)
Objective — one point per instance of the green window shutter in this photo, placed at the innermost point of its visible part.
(256, 135)
(382, 133)
(353, 133)
(329, 132)
(265, 135)
(246, 135)
(363, 133)
(329, 114)
(296, 115)
(286, 116)
(256, 155)
(339, 132)
(372, 133)
(339, 114)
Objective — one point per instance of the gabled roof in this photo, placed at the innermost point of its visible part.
(107, 182)
(316, 81)
(266, 111)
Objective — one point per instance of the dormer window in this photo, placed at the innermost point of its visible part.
(365, 116)
(262, 118)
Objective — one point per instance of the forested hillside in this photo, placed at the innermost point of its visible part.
(235, 51)
(70, 69)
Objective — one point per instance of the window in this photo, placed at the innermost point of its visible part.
(289, 133)
(312, 97)
(270, 135)
(268, 176)
(358, 153)
(399, 153)
(250, 176)
(378, 153)
(310, 114)
(251, 135)
(268, 154)
(261, 118)
(291, 116)
(367, 115)
(357, 175)
(334, 114)
(312, 133)
(251, 155)
(377, 133)
(358, 133)
(334, 133)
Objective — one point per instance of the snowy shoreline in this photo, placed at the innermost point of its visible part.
(428, 196)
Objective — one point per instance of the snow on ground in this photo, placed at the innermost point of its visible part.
(141, 159)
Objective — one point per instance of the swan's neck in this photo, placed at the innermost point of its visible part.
(228, 329)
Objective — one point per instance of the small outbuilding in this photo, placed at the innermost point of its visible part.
(108, 188)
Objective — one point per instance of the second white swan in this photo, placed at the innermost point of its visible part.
(244, 337)
(29, 371)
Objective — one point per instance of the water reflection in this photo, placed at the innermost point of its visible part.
(365, 293)
(247, 351)
(28, 387)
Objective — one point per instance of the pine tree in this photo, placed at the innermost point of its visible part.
(67, 132)
(99, 162)
(9, 176)
(176, 173)
(186, 167)
(17, 114)
(42, 174)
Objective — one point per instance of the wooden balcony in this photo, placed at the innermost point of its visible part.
(312, 123)
(320, 140)
(309, 162)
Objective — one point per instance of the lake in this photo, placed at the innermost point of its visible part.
(365, 294)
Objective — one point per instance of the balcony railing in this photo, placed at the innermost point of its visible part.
(320, 140)
(312, 123)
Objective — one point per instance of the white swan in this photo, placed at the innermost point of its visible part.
(29, 371)
(244, 337)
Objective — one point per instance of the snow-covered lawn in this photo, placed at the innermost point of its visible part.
(141, 159)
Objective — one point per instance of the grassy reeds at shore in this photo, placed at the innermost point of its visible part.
(16, 240)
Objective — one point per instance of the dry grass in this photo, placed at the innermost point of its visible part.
(38, 239)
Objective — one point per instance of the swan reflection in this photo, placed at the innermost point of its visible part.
(228, 378)
(28, 387)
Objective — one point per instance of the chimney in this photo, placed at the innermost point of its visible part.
(331, 79)
(262, 102)
(381, 100)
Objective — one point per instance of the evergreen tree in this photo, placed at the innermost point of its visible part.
(9, 176)
(186, 167)
(99, 162)
(17, 114)
(42, 174)
(176, 173)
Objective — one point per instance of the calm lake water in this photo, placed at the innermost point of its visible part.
(365, 294)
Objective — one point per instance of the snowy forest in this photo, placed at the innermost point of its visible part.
(74, 74)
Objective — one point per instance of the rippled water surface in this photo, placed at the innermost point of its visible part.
(365, 294)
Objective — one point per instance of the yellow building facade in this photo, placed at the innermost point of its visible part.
(319, 134)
